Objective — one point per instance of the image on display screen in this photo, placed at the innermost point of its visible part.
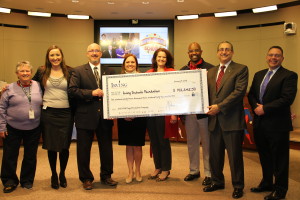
(115, 42)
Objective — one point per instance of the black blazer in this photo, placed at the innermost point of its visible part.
(88, 108)
(279, 96)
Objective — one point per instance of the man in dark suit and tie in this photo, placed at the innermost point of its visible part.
(227, 85)
(272, 93)
(85, 87)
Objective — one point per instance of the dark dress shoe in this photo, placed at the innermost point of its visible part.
(237, 193)
(213, 187)
(27, 186)
(276, 195)
(54, 182)
(109, 181)
(191, 177)
(261, 189)
(62, 181)
(87, 185)
(9, 188)
(207, 181)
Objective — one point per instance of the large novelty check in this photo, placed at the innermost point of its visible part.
(155, 94)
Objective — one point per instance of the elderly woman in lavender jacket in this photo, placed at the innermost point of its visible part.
(20, 109)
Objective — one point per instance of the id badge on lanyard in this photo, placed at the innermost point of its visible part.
(28, 95)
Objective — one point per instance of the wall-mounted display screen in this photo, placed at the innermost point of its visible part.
(118, 38)
(115, 42)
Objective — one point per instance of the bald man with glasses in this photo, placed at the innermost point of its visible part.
(85, 87)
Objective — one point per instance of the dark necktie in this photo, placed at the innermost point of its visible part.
(219, 79)
(97, 77)
(264, 85)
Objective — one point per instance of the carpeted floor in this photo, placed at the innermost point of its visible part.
(173, 188)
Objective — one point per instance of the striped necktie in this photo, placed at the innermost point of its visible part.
(97, 77)
(219, 79)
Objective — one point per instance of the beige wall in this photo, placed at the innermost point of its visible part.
(31, 44)
(250, 45)
(73, 36)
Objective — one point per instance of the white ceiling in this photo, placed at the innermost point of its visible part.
(136, 9)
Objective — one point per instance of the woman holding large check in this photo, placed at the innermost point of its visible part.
(161, 128)
(131, 131)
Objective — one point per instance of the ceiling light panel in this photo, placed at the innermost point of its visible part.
(5, 10)
(78, 17)
(187, 17)
(264, 9)
(226, 14)
(39, 14)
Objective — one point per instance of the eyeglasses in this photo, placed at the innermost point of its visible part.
(226, 49)
(94, 51)
(194, 51)
(275, 55)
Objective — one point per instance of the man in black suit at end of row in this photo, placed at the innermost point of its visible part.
(272, 93)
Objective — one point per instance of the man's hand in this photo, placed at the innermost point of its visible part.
(213, 109)
(97, 93)
(259, 110)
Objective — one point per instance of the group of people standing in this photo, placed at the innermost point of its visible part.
(271, 94)
(75, 93)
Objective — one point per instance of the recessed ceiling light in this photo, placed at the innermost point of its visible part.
(186, 17)
(75, 1)
(180, 1)
(226, 14)
(39, 14)
(264, 9)
(145, 2)
(111, 3)
(5, 10)
(78, 17)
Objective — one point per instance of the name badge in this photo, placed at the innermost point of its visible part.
(31, 114)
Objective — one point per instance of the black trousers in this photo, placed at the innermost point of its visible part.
(274, 152)
(84, 144)
(11, 146)
(232, 141)
(160, 146)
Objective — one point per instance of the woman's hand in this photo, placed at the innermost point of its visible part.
(173, 119)
(3, 134)
(4, 88)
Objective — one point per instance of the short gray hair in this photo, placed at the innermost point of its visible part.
(22, 63)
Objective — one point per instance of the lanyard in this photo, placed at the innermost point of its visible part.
(28, 94)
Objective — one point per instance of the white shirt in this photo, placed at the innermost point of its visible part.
(98, 67)
(226, 66)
